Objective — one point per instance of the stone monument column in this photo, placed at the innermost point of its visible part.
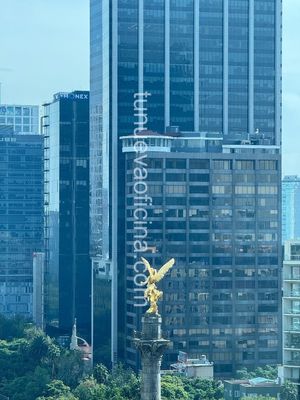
(151, 346)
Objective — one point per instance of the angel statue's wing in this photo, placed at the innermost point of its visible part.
(164, 269)
(147, 265)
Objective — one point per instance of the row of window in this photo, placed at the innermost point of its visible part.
(177, 163)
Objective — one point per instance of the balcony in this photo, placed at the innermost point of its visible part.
(294, 363)
(291, 293)
(292, 344)
(291, 277)
(293, 311)
(293, 380)
(292, 328)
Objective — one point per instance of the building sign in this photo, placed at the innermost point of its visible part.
(71, 96)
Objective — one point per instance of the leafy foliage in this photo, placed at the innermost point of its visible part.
(57, 390)
(289, 391)
(101, 373)
(172, 388)
(29, 363)
(34, 367)
(12, 328)
(204, 389)
(89, 389)
(268, 372)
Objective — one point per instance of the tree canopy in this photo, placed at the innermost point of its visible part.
(34, 367)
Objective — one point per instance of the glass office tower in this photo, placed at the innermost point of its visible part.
(22, 118)
(21, 218)
(67, 266)
(290, 207)
(216, 209)
(206, 66)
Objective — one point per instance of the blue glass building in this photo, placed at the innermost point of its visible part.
(21, 218)
(290, 207)
(21, 118)
(212, 67)
(67, 265)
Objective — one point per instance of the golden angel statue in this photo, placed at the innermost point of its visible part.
(152, 294)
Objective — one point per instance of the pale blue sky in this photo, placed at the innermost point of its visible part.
(44, 48)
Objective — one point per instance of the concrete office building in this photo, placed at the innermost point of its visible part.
(290, 207)
(67, 264)
(21, 218)
(203, 66)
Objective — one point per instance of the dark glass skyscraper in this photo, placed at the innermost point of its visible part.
(67, 263)
(208, 66)
(21, 218)
(216, 209)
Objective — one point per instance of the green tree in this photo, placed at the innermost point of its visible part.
(101, 373)
(172, 388)
(70, 367)
(28, 386)
(13, 359)
(289, 391)
(123, 384)
(57, 390)
(12, 328)
(207, 389)
(268, 372)
(89, 389)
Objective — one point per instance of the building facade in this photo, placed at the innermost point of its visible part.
(239, 389)
(291, 311)
(211, 67)
(218, 214)
(67, 265)
(21, 218)
(290, 207)
(22, 118)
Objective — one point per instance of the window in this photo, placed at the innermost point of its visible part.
(267, 190)
(155, 189)
(244, 164)
(222, 164)
(221, 189)
(199, 164)
(222, 178)
(245, 178)
(175, 189)
(222, 213)
(152, 163)
(81, 163)
(199, 189)
(175, 177)
(267, 164)
(245, 189)
(199, 177)
(176, 163)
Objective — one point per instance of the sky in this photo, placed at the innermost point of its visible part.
(44, 49)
